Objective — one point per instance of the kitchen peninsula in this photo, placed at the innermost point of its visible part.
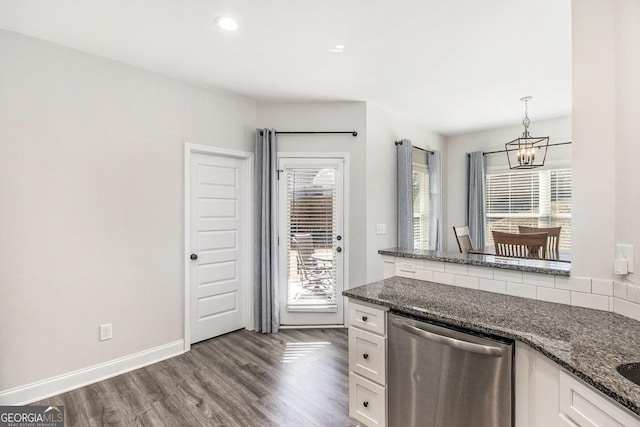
(560, 268)
(579, 348)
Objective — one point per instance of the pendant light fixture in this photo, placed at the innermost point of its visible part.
(527, 152)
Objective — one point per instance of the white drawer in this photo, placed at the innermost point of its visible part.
(367, 401)
(367, 317)
(367, 355)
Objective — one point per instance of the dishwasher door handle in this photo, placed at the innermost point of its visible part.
(451, 342)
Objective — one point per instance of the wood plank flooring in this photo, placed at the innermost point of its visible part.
(297, 377)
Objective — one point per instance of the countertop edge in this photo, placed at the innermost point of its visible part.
(425, 314)
(480, 260)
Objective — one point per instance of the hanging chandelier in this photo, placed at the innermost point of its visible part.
(527, 152)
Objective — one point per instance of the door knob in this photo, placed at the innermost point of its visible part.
(338, 238)
(365, 403)
(364, 318)
(366, 355)
(194, 257)
(338, 249)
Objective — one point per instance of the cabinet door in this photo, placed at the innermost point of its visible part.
(367, 355)
(582, 406)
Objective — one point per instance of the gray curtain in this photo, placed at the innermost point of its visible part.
(476, 175)
(266, 310)
(405, 195)
(435, 200)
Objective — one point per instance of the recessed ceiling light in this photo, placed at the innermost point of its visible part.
(226, 23)
(338, 49)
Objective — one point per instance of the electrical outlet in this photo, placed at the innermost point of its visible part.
(409, 267)
(106, 332)
(625, 252)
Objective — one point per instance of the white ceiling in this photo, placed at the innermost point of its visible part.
(452, 66)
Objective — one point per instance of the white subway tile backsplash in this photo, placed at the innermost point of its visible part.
(519, 290)
(481, 272)
(446, 278)
(554, 295)
(466, 281)
(620, 290)
(407, 274)
(537, 279)
(602, 287)
(598, 302)
(626, 308)
(434, 265)
(460, 269)
(424, 275)
(507, 275)
(633, 293)
(389, 269)
(601, 294)
(490, 285)
(577, 284)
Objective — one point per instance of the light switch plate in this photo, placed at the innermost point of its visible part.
(624, 251)
(381, 228)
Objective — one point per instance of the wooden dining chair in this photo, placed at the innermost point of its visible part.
(531, 245)
(553, 238)
(463, 238)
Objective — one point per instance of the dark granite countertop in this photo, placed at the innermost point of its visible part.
(559, 268)
(588, 343)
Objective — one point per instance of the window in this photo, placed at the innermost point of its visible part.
(534, 198)
(420, 206)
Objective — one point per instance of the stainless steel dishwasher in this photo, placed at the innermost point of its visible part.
(445, 378)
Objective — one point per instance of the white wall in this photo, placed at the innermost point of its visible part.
(383, 129)
(558, 130)
(606, 90)
(627, 109)
(330, 116)
(91, 183)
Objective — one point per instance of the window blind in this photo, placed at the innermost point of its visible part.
(311, 213)
(420, 206)
(532, 198)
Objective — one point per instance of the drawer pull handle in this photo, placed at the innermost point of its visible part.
(366, 356)
(365, 403)
(364, 318)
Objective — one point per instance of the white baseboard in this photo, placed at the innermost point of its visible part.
(39, 390)
(312, 327)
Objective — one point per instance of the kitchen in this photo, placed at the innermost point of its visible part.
(603, 149)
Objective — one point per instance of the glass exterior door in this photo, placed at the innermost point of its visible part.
(311, 241)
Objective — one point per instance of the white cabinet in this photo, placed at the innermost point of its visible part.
(583, 406)
(536, 388)
(547, 395)
(367, 364)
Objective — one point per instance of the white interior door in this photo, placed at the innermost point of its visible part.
(217, 282)
(311, 241)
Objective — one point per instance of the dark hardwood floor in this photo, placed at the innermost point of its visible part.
(297, 377)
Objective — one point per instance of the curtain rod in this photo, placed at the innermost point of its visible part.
(352, 132)
(484, 153)
(417, 148)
